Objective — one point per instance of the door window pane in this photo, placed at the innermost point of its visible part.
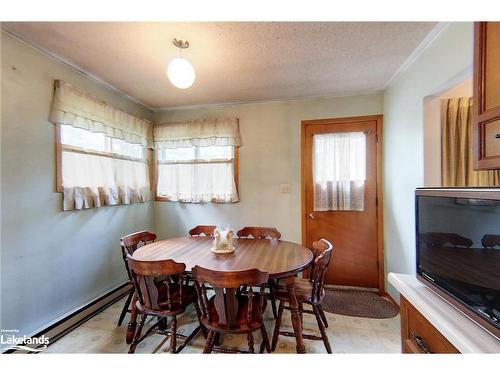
(339, 171)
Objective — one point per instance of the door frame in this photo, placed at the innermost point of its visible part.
(379, 187)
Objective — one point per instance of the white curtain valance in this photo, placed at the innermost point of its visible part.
(80, 110)
(214, 132)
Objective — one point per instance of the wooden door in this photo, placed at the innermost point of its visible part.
(354, 231)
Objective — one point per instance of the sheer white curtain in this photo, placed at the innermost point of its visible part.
(95, 181)
(339, 171)
(97, 170)
(197, 174)
(196, 160)
(102, 151)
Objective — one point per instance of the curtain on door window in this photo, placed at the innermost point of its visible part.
(456, 147)
(339, 171)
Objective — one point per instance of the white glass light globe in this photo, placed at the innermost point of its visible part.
(181, 73)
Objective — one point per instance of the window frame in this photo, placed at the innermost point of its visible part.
(236, 170)
(59, 188)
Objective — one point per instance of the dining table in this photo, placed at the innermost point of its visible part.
(281, 259)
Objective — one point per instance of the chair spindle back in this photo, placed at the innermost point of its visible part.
(150, 276)
(131, 242)
(259, 233)
(225, 286)
(324, 250)
(207, 230)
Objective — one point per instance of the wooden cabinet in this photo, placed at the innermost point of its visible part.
(486, 133)
(418, 335)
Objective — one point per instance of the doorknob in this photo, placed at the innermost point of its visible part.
(312, 215)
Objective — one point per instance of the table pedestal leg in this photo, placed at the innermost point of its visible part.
(294, 310)
(133, 321)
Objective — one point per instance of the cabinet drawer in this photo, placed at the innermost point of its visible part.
(492, 139)
(418, 335)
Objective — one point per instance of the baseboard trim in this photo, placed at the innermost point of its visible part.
(68, 323)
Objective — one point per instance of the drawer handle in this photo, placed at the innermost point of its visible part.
(497, 136)
(420, 343)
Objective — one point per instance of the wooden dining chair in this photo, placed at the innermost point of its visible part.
(129, 244)
(310, 292)
(259, 233)
(200, 230)
(263, 233)
(162, 292)
(228, 311)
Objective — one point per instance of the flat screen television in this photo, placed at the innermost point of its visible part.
(458, 249)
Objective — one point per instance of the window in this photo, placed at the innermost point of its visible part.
(339, 171)
(197, 174)
(96, 170)
(101, 151)
(197, 161)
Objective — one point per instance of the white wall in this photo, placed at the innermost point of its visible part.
(51, 261)
(270, 156)
(441, 64)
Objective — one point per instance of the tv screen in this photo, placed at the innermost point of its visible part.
(458, 249)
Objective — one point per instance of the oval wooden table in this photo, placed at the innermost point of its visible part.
(281, 259)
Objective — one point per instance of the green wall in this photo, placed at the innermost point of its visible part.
(52, 262)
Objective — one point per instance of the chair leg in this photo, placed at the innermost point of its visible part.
(272, 297)
(125, 307)
(277, 326)
(322, 329)
(137, 335)
(209, 343)
(301, 312)
(250, 342)
(265, 340)
(323, 317)
(173, 335)
(198, 315)
(132, 323)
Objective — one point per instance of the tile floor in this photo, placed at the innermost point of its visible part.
(346, 334)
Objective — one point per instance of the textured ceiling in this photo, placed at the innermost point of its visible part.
(234, 62)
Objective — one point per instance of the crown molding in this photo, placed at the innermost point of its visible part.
(426, 42)
(264, 101)
(77, 69)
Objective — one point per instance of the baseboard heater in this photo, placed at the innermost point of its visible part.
(69, 322)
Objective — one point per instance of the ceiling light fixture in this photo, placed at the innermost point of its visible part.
(180, 71)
